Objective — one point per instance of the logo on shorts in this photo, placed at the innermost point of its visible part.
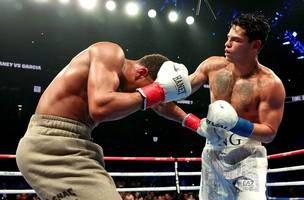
(65, 194)
(178, 80)
(247, 184)
(232, 140)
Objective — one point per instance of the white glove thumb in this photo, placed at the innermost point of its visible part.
(214, 135)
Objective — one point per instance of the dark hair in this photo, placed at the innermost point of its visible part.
(255, 25)
(153, 62)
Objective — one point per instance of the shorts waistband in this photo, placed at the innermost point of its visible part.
(58, 126)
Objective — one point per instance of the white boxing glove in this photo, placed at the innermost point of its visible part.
(222, 115)
(172, 83)
(214, 135)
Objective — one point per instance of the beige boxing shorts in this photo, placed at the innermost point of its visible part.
(60, 162)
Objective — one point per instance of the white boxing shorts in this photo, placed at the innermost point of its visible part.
(234, 170)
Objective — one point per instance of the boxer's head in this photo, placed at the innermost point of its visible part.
(142, 72)
(246, 37)
(256, 26)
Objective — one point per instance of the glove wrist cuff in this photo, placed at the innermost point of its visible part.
(152, 93)
(243, 128)
(191, 121)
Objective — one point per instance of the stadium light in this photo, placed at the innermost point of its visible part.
(111, 5)
(189, 20)
(64, 1)
(88, 4)
(152, 13)
(132, 9)
(172, 16)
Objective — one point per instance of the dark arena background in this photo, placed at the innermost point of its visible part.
(39, 37)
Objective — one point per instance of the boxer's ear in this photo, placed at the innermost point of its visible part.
(141, 72)
(257, 44)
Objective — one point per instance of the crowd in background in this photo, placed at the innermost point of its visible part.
(127, 196)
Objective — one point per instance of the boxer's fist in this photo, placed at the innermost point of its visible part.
(215, 136)
(222, 115)
(173, 78)
(172, 83)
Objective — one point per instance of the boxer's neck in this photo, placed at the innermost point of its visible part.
(245, 69)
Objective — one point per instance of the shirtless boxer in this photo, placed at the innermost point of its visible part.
(234, 164)
(56, 156)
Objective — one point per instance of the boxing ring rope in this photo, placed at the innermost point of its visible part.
(171, 159)
(175, 174)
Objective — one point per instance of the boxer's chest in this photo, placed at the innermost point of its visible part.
(243, 94)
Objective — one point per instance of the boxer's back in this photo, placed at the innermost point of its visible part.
(66, 96)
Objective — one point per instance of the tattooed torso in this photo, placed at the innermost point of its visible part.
(243, 93)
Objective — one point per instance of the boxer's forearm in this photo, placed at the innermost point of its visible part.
(114, 105)
(170, 111)
(263, 133)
